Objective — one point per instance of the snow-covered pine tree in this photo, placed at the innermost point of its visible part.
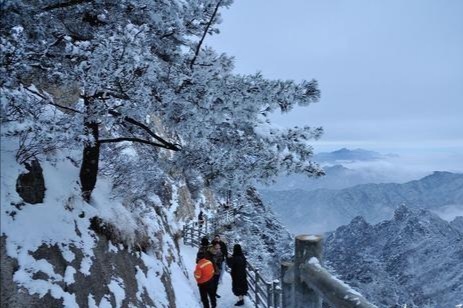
(92, 73)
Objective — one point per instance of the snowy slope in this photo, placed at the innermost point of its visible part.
(52, 255)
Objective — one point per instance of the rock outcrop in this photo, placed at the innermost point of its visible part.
(31, 186)
(416, 258)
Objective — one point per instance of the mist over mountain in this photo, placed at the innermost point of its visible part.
(346, 168)
(349, 155)
(336, 177)
(416, 258)
(325, 209)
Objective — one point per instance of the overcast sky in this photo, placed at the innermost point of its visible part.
(390, 72)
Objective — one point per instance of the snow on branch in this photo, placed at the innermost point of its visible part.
(136, 140)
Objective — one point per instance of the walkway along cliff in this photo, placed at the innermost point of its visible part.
(303, 283)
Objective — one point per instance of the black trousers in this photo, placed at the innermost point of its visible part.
(207, 291)
(215, 282)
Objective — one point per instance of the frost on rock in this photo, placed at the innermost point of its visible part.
(51, 255)
(413, 259)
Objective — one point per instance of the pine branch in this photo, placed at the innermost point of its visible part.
(121, 139)
(205, 33)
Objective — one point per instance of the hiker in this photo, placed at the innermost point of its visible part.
(201, 219)
(204, 275)
(217, 259)
(204, 249)
(223, 246)
(224, 250)
(237, 264)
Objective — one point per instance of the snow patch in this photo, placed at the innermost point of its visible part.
(69, 275)
(116, 286)
(150, 282)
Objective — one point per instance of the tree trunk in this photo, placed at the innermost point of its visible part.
(91, 153)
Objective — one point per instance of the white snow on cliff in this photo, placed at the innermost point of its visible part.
(62, 220)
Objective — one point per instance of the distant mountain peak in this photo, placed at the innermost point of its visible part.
(342, 150)
(402, 212)
(359, 221)
(439, 178)
(345, 154)
(414, 259)
(440, 174)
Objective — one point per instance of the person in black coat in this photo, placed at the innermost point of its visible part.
(201, 219)
(237, 264)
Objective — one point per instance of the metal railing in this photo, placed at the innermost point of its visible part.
(262, 292)
(303, 283)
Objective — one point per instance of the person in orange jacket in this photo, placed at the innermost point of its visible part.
(204, 274)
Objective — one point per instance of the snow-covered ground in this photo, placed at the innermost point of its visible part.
(62, 221)
(227, 298)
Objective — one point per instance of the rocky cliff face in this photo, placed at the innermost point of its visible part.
(113, 279)
(416, 258)
(121, 250)
(96, 262)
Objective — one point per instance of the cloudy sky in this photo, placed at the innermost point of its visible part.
(390, 72)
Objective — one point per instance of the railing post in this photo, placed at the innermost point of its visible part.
(184, 234)
(256, 286)
(276, 293)
(287, 284)
(192, 236)
(269, 294)
(214, 226)
(307, 246)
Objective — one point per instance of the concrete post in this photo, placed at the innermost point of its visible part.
(307, 246)
(269, 294)
(287, 283)
(256, 286)
(276, 294)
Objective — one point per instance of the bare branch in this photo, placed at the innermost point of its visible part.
(205, 33)
(49, 101)
(165, 144)
(167, 35)
(103, 94)
(136, 140)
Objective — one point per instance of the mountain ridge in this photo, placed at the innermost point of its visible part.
(415, 258)
(325, 209)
